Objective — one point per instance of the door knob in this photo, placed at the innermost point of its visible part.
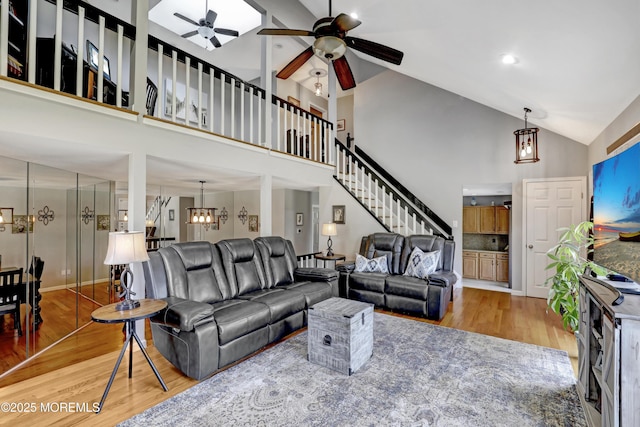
(530, 246)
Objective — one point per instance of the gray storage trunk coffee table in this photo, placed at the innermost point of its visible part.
(340, 334)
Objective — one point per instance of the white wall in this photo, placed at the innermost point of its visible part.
(434, 141)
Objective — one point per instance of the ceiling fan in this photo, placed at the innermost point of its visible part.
(206, 28)
(331, 43)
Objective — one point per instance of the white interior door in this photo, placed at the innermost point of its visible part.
(548, 204)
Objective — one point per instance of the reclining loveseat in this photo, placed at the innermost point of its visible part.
(402, 287)
(230, 299)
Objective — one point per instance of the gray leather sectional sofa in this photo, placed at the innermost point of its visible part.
(230, 299)
(394, 290)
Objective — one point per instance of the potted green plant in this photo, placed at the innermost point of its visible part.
(569, 264)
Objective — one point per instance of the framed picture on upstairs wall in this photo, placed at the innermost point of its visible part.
(299, 218)
(341, 125)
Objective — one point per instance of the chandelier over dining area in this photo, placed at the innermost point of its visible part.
(201, 216)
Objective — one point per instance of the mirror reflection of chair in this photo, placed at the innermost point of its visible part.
(35, 274)
(10, 281)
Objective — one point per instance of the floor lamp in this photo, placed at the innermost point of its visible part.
(126, 247)
(329, 230)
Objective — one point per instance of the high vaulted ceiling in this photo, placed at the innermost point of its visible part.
(578, 61)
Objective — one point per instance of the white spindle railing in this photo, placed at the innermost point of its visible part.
(242, 106)
(392, 211)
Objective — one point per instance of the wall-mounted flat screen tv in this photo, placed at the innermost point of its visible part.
(616, 213)
(92, 59)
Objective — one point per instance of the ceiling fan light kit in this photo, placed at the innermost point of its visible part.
(329, 47)
(331, 44)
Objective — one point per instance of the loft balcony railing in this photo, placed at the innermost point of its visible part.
(66, 45)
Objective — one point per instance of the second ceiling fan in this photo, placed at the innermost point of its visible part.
(206, 28)
(331, 43)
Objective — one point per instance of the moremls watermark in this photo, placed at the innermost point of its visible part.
(53, 407)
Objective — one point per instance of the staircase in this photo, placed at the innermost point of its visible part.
(153, 213)
(390, 203)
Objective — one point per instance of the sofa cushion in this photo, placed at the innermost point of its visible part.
(313, 291)
(405, 286)
(421, 264)
(277, 260)
(242, 265)
(281, 303)
(385, 244)
(374, 265)
(236, 318)
(368, 281)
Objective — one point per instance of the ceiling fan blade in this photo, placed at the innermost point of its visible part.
(215, 41)
(344, 23)
(184, 18)
(343, 73)
(211, 17)
(376, 50)
(190, 34)
(284, 32)
(296, 63)
(224, 31)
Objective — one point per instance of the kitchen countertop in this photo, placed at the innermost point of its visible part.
(482, 250)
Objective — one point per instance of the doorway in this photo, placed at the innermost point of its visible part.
(548, 204)
(486, 227)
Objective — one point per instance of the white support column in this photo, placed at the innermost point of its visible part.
(266, 195)
(138, 78)
(136, 209)
(266, 80)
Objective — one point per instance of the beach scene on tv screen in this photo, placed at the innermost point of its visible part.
(616, 213)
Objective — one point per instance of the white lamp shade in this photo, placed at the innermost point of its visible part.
(126, 247)
(329, 229)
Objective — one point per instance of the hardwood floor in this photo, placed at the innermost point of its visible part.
(58, 310)
(76, 370)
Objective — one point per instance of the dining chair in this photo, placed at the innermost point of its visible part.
(35, 272)
(10, 295)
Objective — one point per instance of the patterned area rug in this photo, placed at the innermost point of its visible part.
(419, 375)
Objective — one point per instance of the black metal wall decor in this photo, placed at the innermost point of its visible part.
(46, 215)
(224, 215)
(242, 215)
(87, 215)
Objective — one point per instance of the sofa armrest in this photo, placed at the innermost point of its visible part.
(346, 267)
(442, 278)
(315, 274)
(184, 314)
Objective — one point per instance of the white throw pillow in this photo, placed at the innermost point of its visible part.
(375, 265)
(421, 264)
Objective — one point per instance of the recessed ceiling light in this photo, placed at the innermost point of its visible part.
(278, 45)
(509, 59)
(354, 15)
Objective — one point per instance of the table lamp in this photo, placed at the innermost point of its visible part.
(329, 230)
(126, 247)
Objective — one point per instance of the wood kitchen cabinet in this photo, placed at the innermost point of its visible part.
(487, 266)
(470, 219)
(502, 267)
(485, 219)
(502, 220)
(470, 264)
